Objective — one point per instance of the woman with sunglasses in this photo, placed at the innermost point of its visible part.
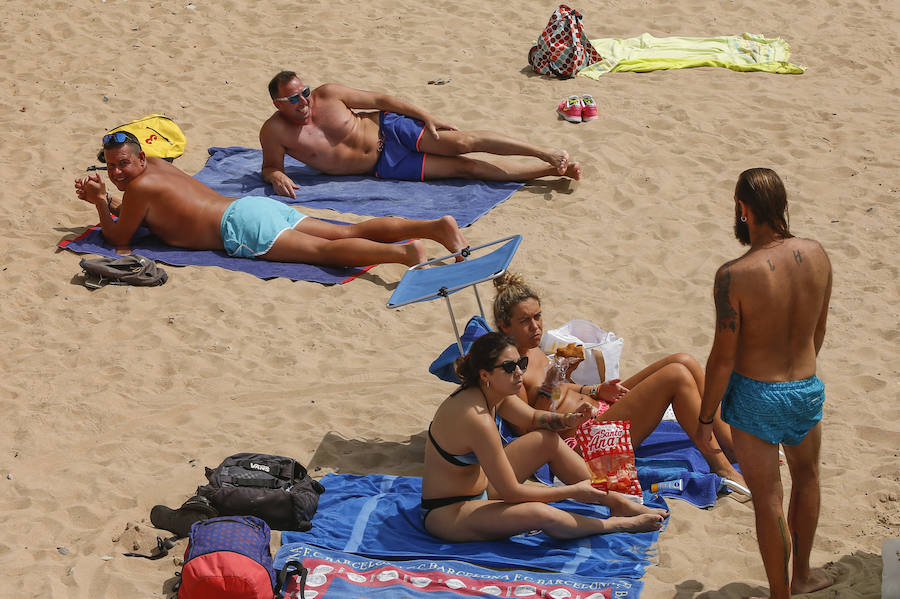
(473, 488)
(675, 380)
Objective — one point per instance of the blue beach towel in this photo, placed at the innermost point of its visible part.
(234, 172)
(147, 244)
(340, 575)
(669, 454)
(378, 516)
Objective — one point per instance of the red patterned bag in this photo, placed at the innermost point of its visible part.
(563, 49)
(606, 447)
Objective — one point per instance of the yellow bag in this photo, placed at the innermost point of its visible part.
(158, 134)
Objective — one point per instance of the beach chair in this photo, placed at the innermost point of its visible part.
(422, 284)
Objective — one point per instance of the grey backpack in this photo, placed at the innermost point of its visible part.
(132, 269)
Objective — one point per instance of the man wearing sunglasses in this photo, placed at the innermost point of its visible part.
(185, 213)
(344, 131)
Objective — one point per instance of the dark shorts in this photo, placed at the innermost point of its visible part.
(400, 157)
(774, 412)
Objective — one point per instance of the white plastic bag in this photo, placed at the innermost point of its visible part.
(594, 339)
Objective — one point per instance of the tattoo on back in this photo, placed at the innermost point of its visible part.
(725, 313)
(797, 257)
(771, 266)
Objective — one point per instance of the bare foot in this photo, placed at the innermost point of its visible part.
(558, 159)
(414, 253)
(449, 235)
(619, 505)
(574, 171)
(817, 580)
(641, 523)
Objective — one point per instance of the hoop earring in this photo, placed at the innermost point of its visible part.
(743, 219)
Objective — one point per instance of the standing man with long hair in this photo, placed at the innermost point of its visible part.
(771, 308)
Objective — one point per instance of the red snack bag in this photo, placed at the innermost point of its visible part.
(606, 447)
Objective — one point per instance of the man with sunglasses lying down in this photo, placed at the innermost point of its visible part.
(184, 212)
(396, 140)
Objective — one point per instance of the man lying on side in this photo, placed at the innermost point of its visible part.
(184, 212)
(323, 128)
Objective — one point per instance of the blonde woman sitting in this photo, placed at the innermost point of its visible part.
(643, 398)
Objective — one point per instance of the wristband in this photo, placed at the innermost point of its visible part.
(702, 421)
(544, 392)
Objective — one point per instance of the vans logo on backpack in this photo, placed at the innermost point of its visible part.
(263, 467)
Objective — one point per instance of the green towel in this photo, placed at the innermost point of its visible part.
(747, 52)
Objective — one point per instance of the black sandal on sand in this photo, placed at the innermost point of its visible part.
(161, 551)
(179, 521)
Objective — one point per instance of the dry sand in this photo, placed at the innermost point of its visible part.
(114, 400)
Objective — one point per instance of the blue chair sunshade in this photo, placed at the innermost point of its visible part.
(421, 284)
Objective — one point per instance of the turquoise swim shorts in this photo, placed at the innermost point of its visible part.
(251, 225)
(774, 412)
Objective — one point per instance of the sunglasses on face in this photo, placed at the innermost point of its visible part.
(510, 367)
(296, 97)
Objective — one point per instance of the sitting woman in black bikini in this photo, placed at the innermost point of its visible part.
(473, 488)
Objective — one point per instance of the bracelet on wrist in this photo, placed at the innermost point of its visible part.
(702, 421)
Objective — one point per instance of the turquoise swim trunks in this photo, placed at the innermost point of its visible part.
(774, 412)
(251, 225)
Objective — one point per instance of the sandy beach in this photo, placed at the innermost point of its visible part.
(114, 400)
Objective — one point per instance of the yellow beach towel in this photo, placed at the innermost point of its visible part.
(747, 52)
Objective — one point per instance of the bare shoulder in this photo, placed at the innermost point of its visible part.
(806, 254)
(334, 96)
(537, 357)
(812, 247)
(727, 271)
(164, 169)
(331, 91)
(154, 176)
(459, 401)
(273, 127)
(725, 294)
(463, 406)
